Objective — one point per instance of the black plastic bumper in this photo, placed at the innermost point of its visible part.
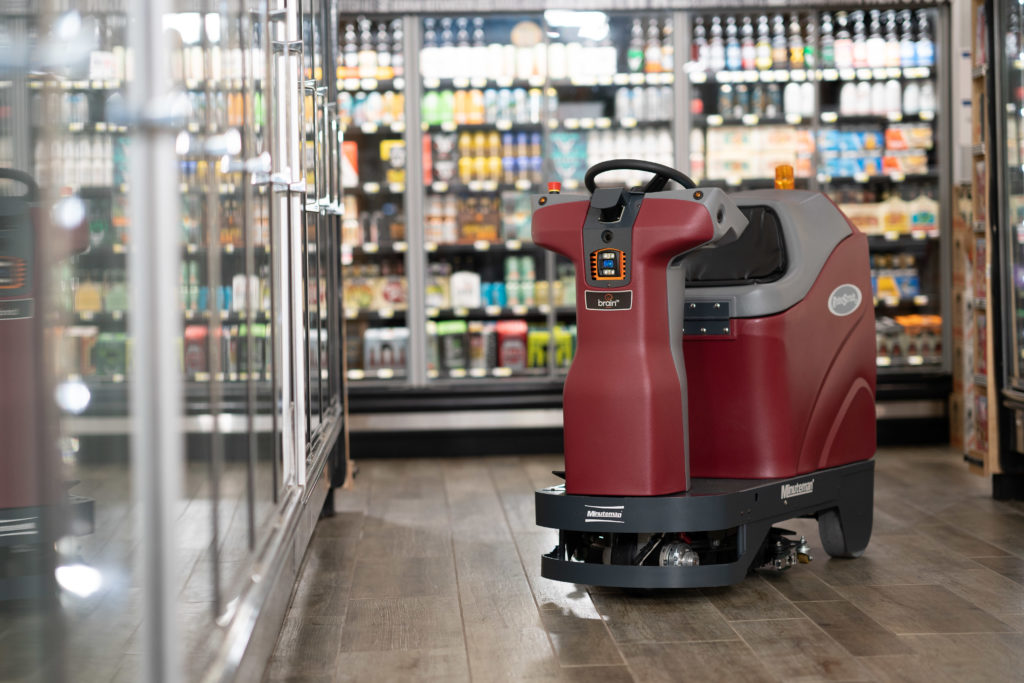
(751, 506)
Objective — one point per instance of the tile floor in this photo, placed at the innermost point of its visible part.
(430, 572)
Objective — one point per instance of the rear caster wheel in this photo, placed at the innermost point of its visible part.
(834, 540)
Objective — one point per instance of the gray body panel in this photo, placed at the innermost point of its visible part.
(812, 227)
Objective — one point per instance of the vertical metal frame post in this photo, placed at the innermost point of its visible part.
(155, 327)
(416, 257)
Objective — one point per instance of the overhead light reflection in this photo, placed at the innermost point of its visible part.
(79, 579)
(73, 396)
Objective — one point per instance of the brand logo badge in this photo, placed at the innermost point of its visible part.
(611, 514)
(844, 300)
(609, 301)
(794, 490)
(17, 309)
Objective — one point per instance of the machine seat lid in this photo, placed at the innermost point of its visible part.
(757, 256)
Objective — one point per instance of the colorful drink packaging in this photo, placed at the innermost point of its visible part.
(512, 344)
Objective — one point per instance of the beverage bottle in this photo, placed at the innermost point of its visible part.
(478, 50)
(446, 50)
(557, 69)
(860, 39)
(757, 99)
(635, 51)
(878, 102)
(350, 52)
(843, 42)
(462, 63)
(791, 99)
(807, 99)
(652, 49)
(699, 46)
(397, 48)
(926, 100)
(476, 108)
(810, 46)
(912, 99)
(668, 48)
(925, 48)
(796, 43)
(828, 45)
(876, 43)
(367, 52)
(716, 46)
(892, 40)
(748, 52)
(623, 104)
(461, 107)
(639, 102)
(491, 105)
(429, 51)
(733, 59)
(763, 46)
(780, 48)
(653, 105)
(893, 97)
(863, 97)
(385, 71)
(908, 48)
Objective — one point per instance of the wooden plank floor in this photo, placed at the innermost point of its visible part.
(430, 572)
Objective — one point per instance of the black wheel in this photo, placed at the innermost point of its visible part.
(835, 542)
(662, 174)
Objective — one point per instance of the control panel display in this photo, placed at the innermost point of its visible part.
(608, 264)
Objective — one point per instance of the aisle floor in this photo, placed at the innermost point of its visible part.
(430, 572)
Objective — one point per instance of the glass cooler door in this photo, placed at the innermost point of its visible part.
(1012, 195)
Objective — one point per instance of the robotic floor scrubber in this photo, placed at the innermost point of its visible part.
(724, 381)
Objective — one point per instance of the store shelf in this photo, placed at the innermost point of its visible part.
(483, 246)
(350, 84)
(94, 84)
(716, 120)
(383, 128)
(373, 248)
(480, 83)
(895, 241)
(488, 187)
(229, 317)
(863, 179)
(378, 314)
(802, 75)
(606, 123)
(88, 127)
(225, 250)
(488, 312)
(500, 125)
(618, 79)
(877, 119)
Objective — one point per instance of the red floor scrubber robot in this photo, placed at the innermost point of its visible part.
(35, 507)
(724, 381)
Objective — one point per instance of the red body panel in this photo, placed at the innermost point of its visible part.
(623, 403)
(22, 472)
(789, 393)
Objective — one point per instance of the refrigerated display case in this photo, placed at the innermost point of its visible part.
(185, 276)
(445, 288)
(853, 98)
(1005, 461)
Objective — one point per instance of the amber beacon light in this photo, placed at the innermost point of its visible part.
(784, 177)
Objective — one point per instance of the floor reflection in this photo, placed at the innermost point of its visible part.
(102, 627)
